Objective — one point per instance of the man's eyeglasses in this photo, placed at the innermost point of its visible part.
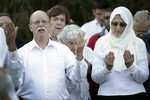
(38, 22)
(121, 24)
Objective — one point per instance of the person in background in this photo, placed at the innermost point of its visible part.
(95, 37)
(141, 27)
(91, 43)
(7, 18)
(96, 25)
(41, 66)
(141, 23)
(118, 65)
(3, 47)
(70, 36)
(7, 90)
(146, 39)
(59, 17)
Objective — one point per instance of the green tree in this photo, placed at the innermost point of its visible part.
(80, 10)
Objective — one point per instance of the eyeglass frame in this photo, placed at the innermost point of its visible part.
(40, 21)
(121, 24)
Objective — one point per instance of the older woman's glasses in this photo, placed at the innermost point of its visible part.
(121, 24)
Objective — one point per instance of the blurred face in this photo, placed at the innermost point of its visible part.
(4, 20)
(39, 25)
(117, 26)
(57, 24)
(72, 44)
(98, 13)
(106, 20)
(141, 28)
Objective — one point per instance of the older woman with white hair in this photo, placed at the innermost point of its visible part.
(120, 65)
(72, 37)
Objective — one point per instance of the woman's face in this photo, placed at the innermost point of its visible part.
(117, 26)
(57, 24)
(72, 44)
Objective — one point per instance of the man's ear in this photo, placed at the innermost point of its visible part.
(93, 12)
(30, 27)
(16, 29)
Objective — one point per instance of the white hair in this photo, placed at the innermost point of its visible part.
(142, 16)
(70, 32)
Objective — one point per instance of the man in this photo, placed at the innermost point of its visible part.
(7, 18)
(91, 43)
(3, 47)
(41, 66)
(96, 25)
(141, 23)
(7, 91)
(95, 37)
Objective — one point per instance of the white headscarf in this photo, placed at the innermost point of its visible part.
(127, 41)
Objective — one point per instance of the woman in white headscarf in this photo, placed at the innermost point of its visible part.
(120, 65)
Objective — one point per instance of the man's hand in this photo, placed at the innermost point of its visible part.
(11, 32)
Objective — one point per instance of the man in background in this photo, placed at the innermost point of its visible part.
(7, 18)
(96, 25)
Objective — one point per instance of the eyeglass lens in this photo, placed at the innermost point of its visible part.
(121, 24)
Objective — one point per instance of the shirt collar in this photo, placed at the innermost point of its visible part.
(97, 23)
(35, 45)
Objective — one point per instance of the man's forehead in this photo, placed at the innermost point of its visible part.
(39, 16)
(99, 10)
(5, 18)
(107, 13)
(142, 25)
